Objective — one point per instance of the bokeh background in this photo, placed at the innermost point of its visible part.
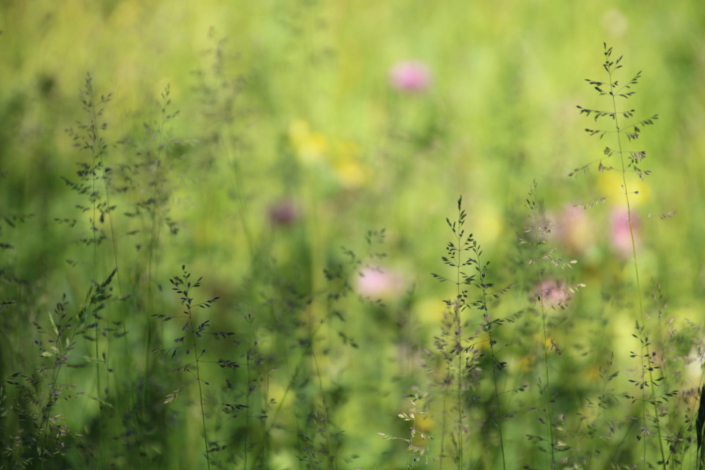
(304, 125)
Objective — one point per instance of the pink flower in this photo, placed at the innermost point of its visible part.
(410, 76)
(620, 236)
(573, 229)
(283, 213)
(553, 291)
(377, 283)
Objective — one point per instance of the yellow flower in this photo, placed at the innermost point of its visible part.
(313, 148)
(298, 132)
(610, 184)
(310, 146)
(351, 173)
(341, 157)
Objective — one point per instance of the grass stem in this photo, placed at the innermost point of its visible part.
(636, 272)
(545, 364)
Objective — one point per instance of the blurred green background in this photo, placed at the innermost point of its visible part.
(293, 140)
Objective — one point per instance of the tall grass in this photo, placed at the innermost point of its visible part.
(298, 349)
(633, 160)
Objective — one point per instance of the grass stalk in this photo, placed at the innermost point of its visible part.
(200, 387)
(636, 272)
(247, 392)
(154, 243)
(94, 141)
(443, 422)
(592, 437)
(330, 456)
(483, 286)
(545, 364)
(459, 339)
(115, 259)
(289, 386)
(128, 357)
(241, 206)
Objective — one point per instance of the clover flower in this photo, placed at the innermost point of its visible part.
(410, 77)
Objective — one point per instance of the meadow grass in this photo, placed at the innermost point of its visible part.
(313, 351)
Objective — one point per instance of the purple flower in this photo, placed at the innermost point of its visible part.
(283, 213)
(410, 76)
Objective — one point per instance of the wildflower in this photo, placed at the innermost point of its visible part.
(350, 171)
(410, 76)
(553, 291)
(310, 146)
(339, 158)
(377, 283)
(620, 235)
(283, 213)
(572, 228)
(610, 184)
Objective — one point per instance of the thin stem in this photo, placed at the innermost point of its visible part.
(331, 457)
(699, 460)
(51, 399)
(494, 361)
(247, 394)
(152, 250)
(54, 392)
(460, 413)
(443, 421)
(115, 258)
(545, 363)
(299, 366)
(94, 142)
(240, 199)
(592, 437)
(124, 321)
(638, 284)
(302, 361)
(200, 390)
(459, 336)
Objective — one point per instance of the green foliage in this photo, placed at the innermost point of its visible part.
(295, 141)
